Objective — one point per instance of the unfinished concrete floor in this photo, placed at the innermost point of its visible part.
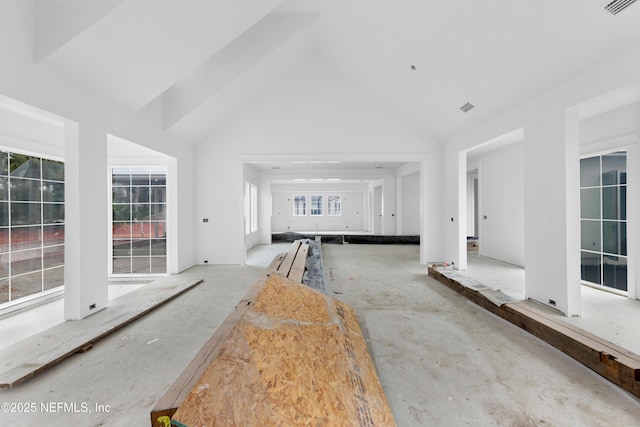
(442, 360)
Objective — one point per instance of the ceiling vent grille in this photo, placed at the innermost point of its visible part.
(468, 106)
(617, 6)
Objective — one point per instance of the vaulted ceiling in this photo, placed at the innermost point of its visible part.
(201, 61)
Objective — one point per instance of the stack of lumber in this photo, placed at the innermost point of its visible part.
(292, 356)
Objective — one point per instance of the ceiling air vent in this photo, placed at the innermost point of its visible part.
(466, 107)
(617, 6)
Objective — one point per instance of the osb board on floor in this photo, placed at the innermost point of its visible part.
(296, 357)
(26, 358)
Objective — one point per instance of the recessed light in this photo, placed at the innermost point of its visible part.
(413, 67)
(378, 167)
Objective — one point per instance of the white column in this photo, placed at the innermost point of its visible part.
(86, 216)
(552, 221)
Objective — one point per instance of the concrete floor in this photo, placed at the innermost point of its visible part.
(442, 360)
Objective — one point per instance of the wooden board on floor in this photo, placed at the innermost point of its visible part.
(294, 357)
(34, 354)
(613, 362)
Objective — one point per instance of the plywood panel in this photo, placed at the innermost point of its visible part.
(296, 357)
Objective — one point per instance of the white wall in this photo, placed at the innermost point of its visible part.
(501, 188)
(251, 176)
(88, 120)
(315, 112)
(410, 213)
(551, 138)
(353, 208)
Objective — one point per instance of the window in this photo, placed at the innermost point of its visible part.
(139, 227)
(316, 205)
(254, 208)
(603, 223)
(247, 208)
(31, 225)
(334, 206)
(299, 205)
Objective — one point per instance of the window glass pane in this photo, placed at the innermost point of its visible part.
(122, 265)
(247, 208)
(53, 278)
(254, 208)
(614, 202)
(121, 212)
(52, 170)
(158, 265)
(4, 214)
(158, 212)
(316, 205)
(121, 230)
(24, 166)
(53, 213)
(590, 267)
(121, 177)
(4, 290)
(614, 168)
(141, 265)
(26, 261)
(139, 194)
(53, 235)
(158, 247)
(590, 203)
(4, 188)
(158, 194)
(590, 172)
(121, 248)
(53, 256)
(614, 272)
(121, 195)
(4, 265)
(29, 284)
(140, 247)
(334, 206)
(53, 191)
(25, 238)
(4, 240)
(590, 235)
(299, 205)
(157, 229)
(25, 213)
(139, 177)
(25, 190)
(140, 212)
(614, 237)
(158, 177)
(4, 163)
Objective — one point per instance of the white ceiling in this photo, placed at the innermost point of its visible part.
(194, 56)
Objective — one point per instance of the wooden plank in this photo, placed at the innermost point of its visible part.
(613, 362)
(37, 353)
(286, 264)
(296, 273)
(296, 357)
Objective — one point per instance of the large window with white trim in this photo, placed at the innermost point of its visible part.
(31, 225)
(139, 222)
(603, 212)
